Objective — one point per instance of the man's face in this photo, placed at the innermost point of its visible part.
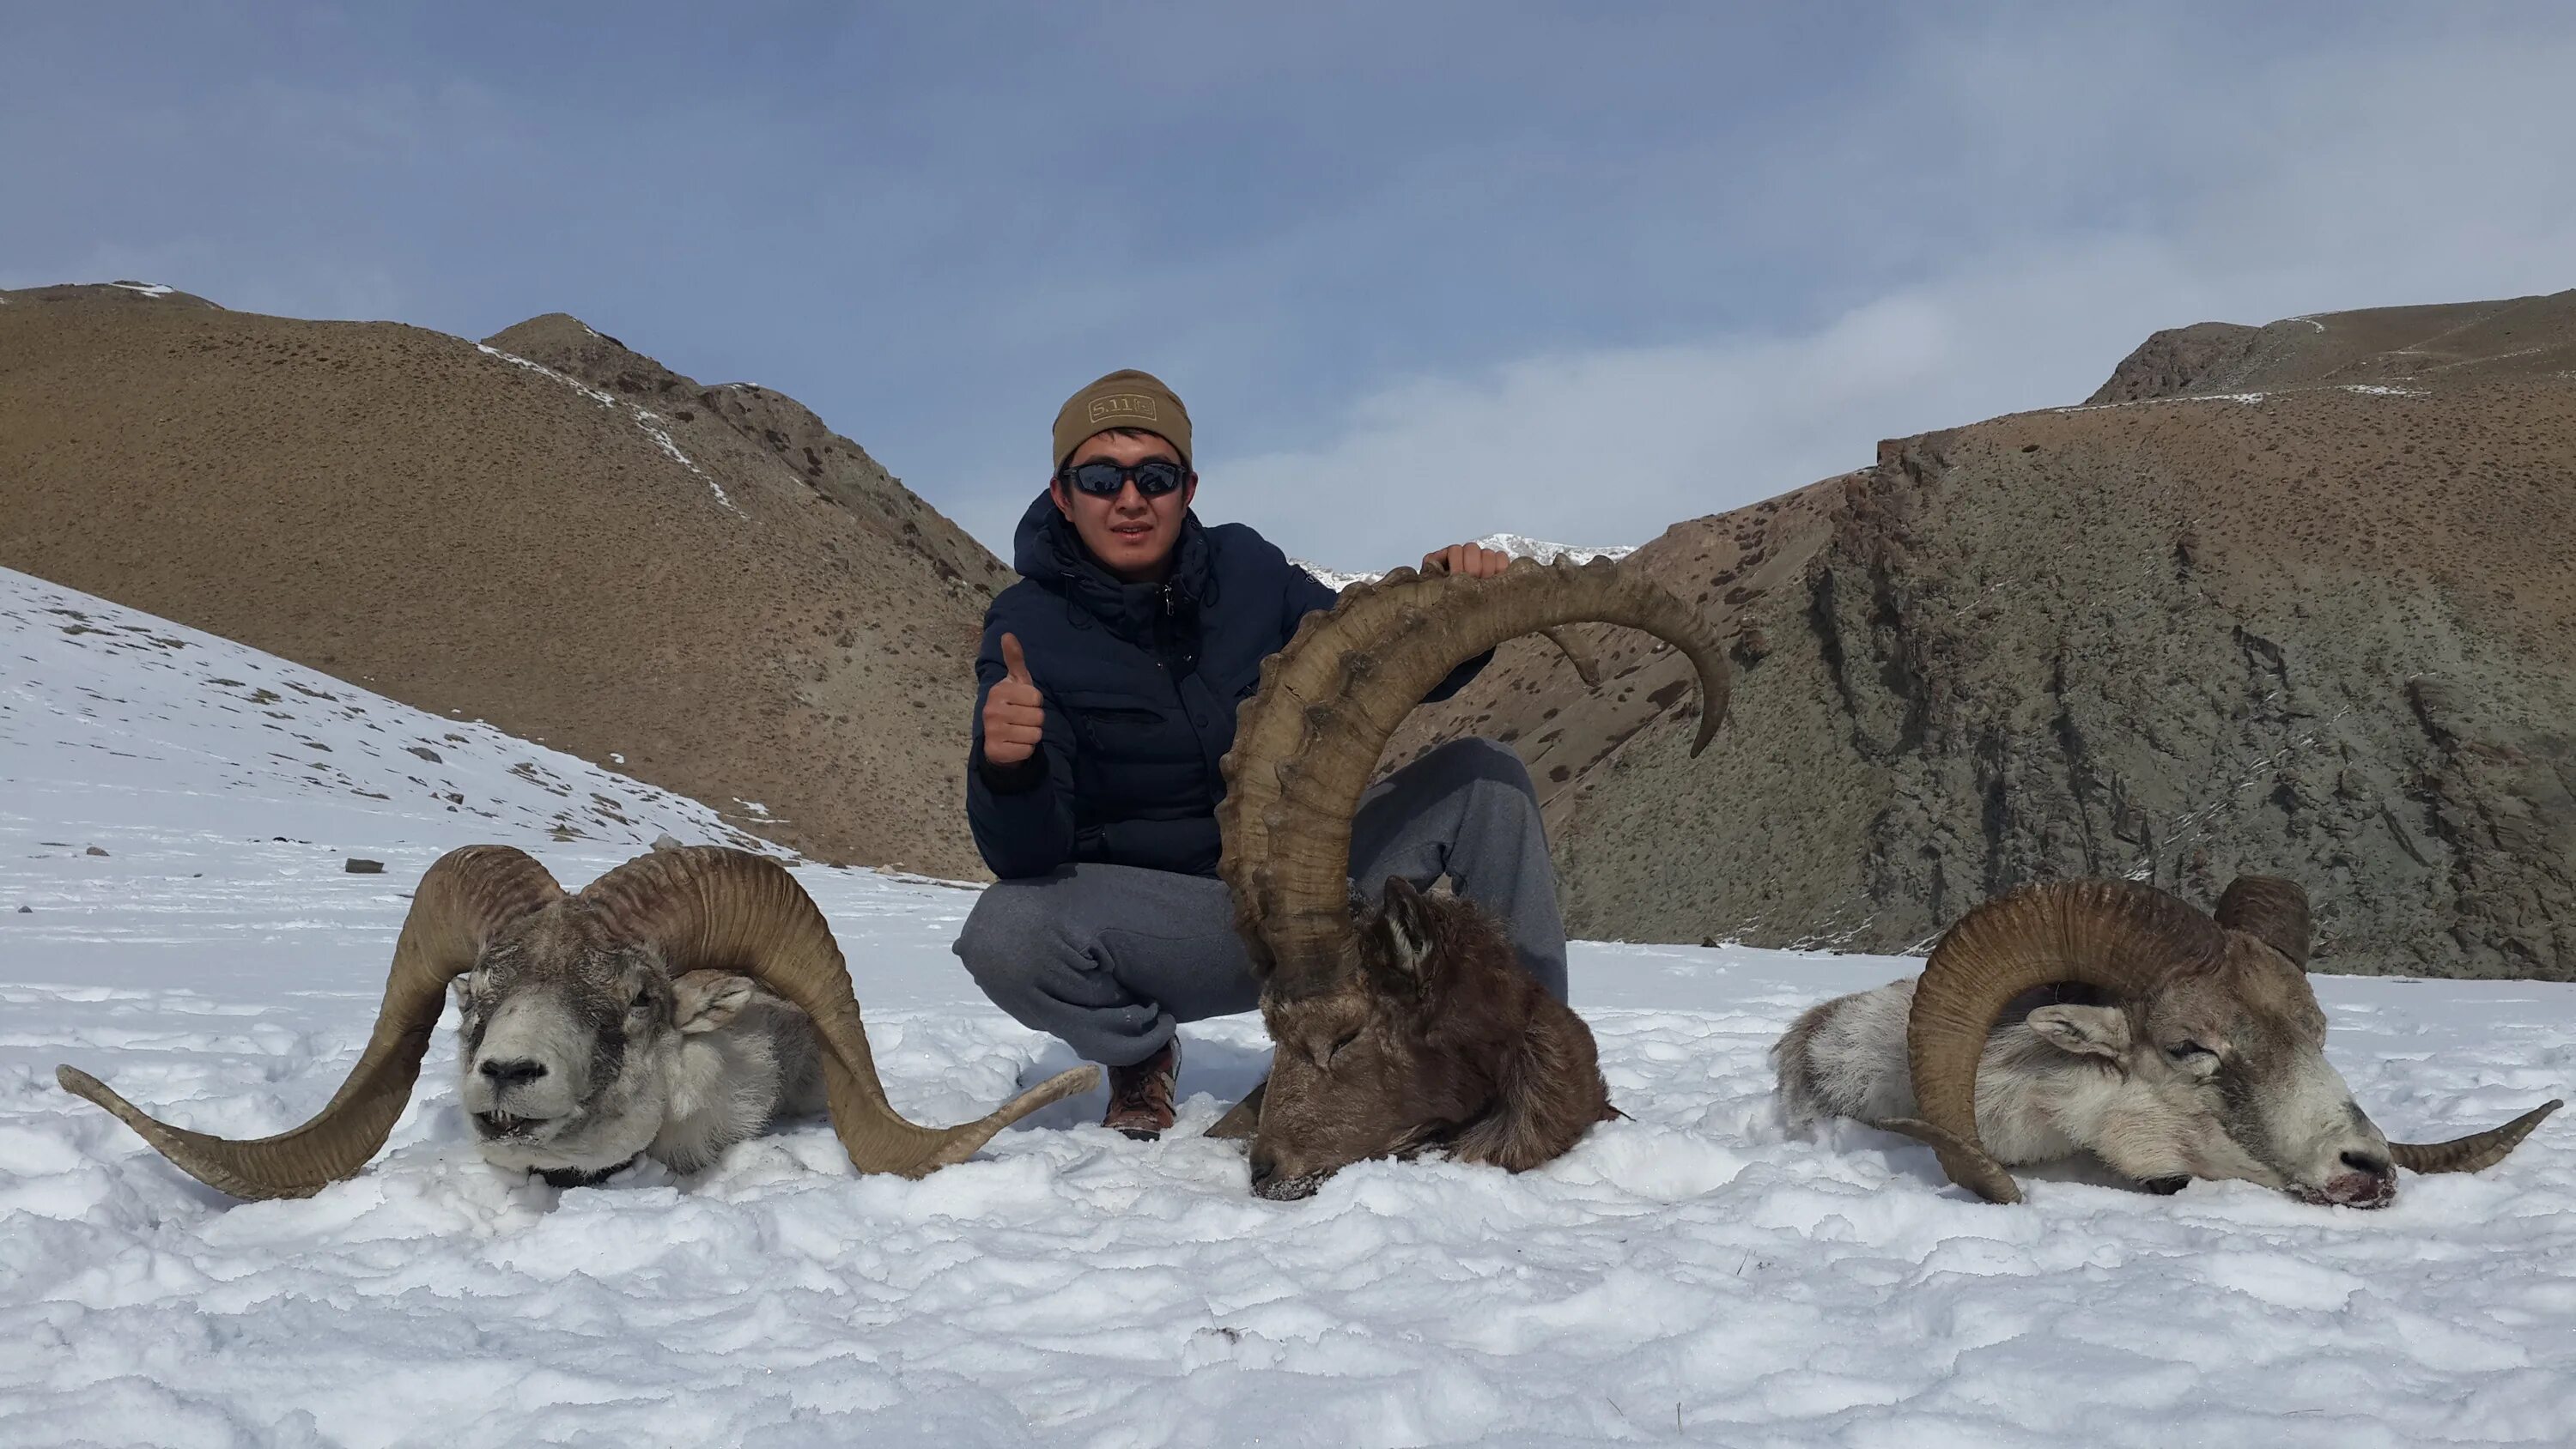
(1132, 535)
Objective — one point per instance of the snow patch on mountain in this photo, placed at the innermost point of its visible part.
(1520, 547)
(1511, 543)
(1334, 579)
(654, 426)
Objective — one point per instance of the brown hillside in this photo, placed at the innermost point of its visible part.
(2308, 606)
(550, 532)
(2529, 337)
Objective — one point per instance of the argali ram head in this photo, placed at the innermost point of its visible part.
(2216, 1014)
(570, 998)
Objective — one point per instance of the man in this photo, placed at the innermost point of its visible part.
(1109, 679)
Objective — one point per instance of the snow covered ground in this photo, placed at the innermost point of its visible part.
(1689, 1276)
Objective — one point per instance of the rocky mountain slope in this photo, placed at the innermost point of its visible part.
(2298, 599)
(702, 586)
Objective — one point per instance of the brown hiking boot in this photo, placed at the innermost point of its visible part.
(1140, 1097)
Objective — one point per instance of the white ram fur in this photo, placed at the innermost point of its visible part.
(740, 1059)
(2061, 1081)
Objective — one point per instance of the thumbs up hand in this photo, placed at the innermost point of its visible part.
(1014, 711)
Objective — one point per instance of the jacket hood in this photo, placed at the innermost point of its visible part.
(1048, 553)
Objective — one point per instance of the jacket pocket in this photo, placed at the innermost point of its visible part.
(1113, 728)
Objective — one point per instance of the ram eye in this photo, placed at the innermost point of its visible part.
(2183, 1051)
(1336, 1048)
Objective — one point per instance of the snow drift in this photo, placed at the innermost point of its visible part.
(1692, 1275)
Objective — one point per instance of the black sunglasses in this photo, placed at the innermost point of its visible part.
(1101, 478)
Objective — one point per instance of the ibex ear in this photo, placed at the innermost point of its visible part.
(2090, 1031)
(1402, 929)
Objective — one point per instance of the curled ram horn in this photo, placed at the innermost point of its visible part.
(2193, 1046)
(690, 943)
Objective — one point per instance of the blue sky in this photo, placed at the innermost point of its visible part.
(1421, 271)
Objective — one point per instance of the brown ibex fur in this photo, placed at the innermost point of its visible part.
(1440, 1040)
(1413, 1023)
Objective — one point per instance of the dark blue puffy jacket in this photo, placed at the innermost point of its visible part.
(1141, 684)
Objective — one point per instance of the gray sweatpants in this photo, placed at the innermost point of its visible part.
(1111, 958)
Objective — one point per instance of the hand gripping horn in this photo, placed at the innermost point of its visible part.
(1307, 741)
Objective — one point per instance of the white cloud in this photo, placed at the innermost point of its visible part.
(2349, 177)
(1612, 446)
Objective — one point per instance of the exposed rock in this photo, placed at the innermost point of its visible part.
(2328, 633)
(355, 866)
(2175, 361)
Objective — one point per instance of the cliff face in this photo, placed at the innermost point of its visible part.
(2313, 613)
(702, 586)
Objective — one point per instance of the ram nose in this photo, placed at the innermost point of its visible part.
(2369, 1180)
(517, 1072)
(513, 1096)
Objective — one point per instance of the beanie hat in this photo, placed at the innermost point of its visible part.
(1124, 399)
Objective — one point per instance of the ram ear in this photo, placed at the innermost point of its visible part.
(707, 1000)
(2089, 1031)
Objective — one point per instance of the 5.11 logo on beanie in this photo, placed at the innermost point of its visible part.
(1121, 407)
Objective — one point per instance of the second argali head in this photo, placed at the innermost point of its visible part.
(668, 1010)
(2191, 1047)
